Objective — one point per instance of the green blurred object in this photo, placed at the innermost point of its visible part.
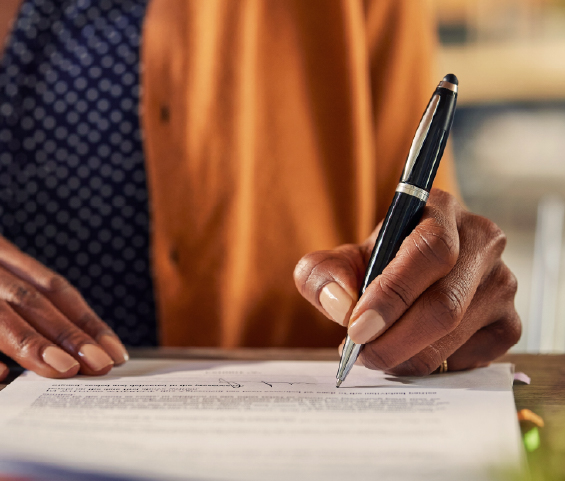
(532, 439)
(545, 447)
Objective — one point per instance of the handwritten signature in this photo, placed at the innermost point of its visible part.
(236, 385)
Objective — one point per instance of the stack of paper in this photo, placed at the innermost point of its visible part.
(226, 420)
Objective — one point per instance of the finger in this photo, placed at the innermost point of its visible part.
(69, 302)
(30, 349)
(330, 279)
(487, 344)
(429, 253)
(493, 340)
(64, 297)
(48, 321)
(441, 309)
(480, 350)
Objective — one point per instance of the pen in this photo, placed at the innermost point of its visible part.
(411, 195)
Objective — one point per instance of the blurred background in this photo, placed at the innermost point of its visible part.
(509, 141)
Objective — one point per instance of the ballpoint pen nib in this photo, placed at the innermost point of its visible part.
(338, 382)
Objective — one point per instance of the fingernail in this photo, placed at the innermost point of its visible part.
(94, 357)
(366, 327)
(114, 347)
(59, 359)
(336, 302)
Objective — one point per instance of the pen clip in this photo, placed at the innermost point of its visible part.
(420, 136)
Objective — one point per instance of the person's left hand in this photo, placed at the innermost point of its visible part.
(447, 295)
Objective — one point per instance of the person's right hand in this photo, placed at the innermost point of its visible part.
(45, 324)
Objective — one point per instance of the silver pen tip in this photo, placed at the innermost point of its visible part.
(338, 382)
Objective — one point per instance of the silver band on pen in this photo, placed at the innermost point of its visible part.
(413, 191)
(448, 85)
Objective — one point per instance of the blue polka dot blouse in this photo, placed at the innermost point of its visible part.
(72, 178)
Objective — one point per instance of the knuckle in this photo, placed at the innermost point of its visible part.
(494, 232)
(27, 343)
(315, 269)
(22, 295)
(500, 284)
(89, 322)
(515, 325)
(447, 309)
(70, 339)
(506, 282)
(438, 245)
(394, 289)
(56, 284)
(305, 270)
(302, 269)
(511, 329)
(495, 236)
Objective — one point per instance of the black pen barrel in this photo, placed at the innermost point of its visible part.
(411, 195)
(402, 217)
(430, 153)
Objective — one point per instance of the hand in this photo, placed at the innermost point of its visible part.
(446, 295)
(45, 324)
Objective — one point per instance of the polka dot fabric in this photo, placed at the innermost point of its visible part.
(72, 179)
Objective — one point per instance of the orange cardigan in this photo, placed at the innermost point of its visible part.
(272, 128)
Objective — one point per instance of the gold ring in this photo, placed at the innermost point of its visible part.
(443, 367)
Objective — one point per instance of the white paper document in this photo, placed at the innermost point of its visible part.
(273, 420)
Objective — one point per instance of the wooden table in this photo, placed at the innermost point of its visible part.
(545, 395)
